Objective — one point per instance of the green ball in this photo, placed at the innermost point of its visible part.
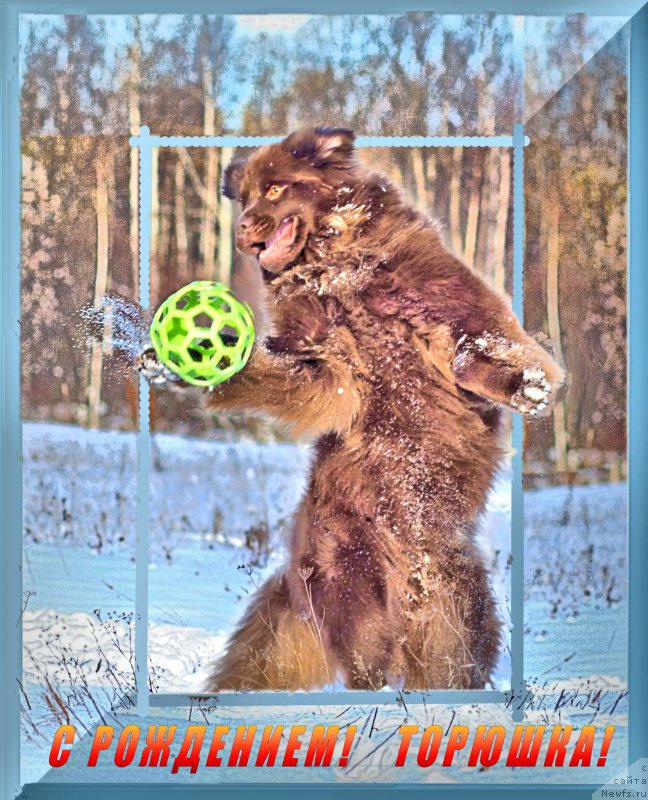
(203, 333)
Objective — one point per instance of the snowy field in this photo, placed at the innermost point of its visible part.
(219, 518)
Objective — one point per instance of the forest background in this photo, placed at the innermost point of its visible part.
(88, 83)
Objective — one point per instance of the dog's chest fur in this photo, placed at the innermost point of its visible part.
(421, 453)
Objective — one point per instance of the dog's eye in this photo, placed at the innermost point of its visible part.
(275, 191)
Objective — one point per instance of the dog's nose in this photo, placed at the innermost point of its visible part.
(245, 223)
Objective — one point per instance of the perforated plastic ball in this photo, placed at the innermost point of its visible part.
(203, 333)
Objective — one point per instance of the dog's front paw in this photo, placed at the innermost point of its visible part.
(148, 364)
(532, 395)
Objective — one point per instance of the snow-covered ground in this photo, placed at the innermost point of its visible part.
(210, 504)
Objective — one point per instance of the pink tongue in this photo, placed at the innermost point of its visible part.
(285, 225)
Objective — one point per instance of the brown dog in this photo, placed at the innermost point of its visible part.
(395, 356)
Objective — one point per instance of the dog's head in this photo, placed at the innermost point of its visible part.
(286, 189)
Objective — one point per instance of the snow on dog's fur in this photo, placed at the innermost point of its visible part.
(395, 357)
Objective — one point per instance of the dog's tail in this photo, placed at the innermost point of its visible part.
(272, 647)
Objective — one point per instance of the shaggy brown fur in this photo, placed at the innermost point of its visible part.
(395, 356)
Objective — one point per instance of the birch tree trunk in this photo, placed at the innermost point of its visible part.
(419, 179)
(501, 221)
(156, 280)
(552, 215)
(164, 233)
(101, 282)
(180, 213)
(454, 209)
(490, 190)
(134, 122)
(208, 232)
(472, 221)
(225, 227)
(431, 177)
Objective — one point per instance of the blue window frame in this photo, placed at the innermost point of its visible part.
(145, 142)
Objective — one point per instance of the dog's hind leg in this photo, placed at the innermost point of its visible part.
(453, 632)
(272, 648)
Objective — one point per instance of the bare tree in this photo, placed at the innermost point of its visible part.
(101, 284)
(225, 227)
(501, 219)
(180, 216)
(208, 232)
(134, 125)
(552, 217)
(474, 208)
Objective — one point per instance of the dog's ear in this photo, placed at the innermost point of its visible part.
(322, 146)
(232, 177)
